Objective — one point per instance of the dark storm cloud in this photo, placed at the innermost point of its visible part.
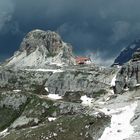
(91, 26)
(6, 11)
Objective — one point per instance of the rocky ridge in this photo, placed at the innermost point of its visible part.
(129, 75)
(127, 53)
(49, 101)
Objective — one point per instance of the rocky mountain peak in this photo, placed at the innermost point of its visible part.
(39, 48)
(127, 53)
(38, 38)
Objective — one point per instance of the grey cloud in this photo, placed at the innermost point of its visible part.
(121, 30)
(6, 12)
(97, 26)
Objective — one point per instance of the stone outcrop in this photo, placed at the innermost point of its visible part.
(40, 48)
(92, 81)
(127, 53)
(26, 91)
(136, 55)
(129, 75)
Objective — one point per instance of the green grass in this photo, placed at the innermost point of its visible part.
(66, 128)
(99, 93)
(8, 115)
(36, 105)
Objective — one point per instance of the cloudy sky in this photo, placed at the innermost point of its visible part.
(97, 27)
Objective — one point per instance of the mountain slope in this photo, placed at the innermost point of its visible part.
(39, 48)
(73, 102)
(129, 75)
(126, 54)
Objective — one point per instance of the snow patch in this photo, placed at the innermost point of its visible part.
(57, 64)
(113, 81)
(88, 62)
(46, 88)
(126, 89)
(137, 85)
(101, 103)
(86, 100)
(120, 127)
(46, 70)
(50, 119)
(96, 113)
(54, 134)
(17, 90)
(110, 91)
(4, 132)
(54, 96)
(33, 127)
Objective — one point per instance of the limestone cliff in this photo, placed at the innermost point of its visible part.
(40, 48)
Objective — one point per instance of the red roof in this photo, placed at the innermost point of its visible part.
(82, 60)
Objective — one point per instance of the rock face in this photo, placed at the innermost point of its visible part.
(65, 128)
(127, 53)
(92, 82)
(136, 55)
(129, 75)
(39, 48)
(43, 118)
(11, 107)
(26, 93)
(27, 110)
(41, 101)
